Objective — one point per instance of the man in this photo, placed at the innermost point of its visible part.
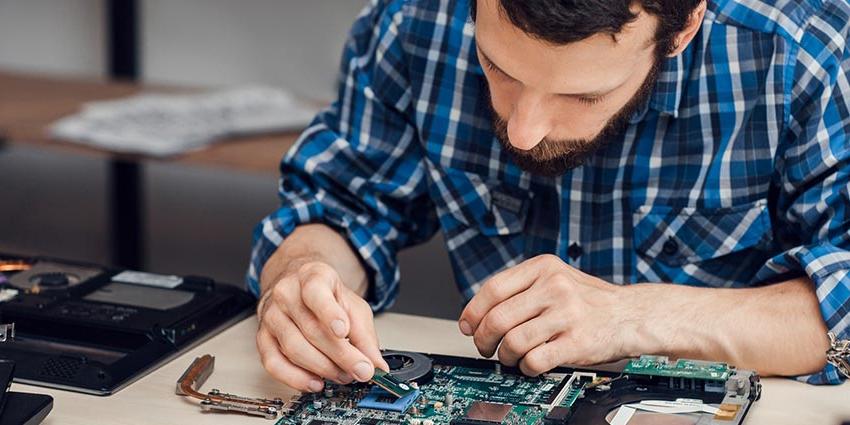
(568, 149)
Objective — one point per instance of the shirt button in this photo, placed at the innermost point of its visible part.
(575, 251)
(671, 247)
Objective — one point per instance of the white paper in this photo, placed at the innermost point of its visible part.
(162, 125)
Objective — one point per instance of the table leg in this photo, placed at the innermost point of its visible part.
(126, 204)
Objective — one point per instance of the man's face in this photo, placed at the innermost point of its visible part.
(555, 105)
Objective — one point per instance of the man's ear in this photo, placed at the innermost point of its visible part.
(684, 37)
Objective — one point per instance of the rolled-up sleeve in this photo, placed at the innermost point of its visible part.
(812, 207)
(359, 166)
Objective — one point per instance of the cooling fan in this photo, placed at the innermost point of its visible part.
(410, 367)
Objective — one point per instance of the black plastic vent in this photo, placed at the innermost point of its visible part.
(61, 367)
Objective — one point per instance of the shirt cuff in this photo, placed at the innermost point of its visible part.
(364, 235)
(272, 230)
(828, 267)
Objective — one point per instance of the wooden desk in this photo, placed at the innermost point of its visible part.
(152, 399)
(29, 104)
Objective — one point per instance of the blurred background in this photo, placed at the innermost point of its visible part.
(196, 217)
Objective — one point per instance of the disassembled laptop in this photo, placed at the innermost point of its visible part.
(427, 389)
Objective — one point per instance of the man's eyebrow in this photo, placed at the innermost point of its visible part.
(592, 94)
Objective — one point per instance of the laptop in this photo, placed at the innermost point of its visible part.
(20, 408)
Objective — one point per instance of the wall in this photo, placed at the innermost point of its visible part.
(295, 44)
(57, 36)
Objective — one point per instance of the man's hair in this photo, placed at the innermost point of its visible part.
(566, 21)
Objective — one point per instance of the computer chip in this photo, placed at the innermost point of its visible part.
(558, 415)
(487, 413)
(379, 399)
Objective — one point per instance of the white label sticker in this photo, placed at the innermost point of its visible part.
(624, 415)
(7, 294)
(148, 279)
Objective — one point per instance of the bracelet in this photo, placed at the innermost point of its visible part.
(838, 354)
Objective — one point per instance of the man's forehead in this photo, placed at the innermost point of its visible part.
(596, 63)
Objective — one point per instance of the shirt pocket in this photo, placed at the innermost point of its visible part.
(722, 247)
(490, 207)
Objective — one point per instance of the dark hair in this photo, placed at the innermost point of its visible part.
(566, 21)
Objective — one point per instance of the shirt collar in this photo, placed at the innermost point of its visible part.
(671, 83)
(667, 94)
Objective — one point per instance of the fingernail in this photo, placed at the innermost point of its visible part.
(465, 328)
(316, 386)
(338, 327)
(363, 371)
(344, 378)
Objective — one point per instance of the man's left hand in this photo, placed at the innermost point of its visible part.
(544, 313)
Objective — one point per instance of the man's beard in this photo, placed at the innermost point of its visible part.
(556, 157)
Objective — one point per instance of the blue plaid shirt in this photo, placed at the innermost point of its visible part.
(734, 174)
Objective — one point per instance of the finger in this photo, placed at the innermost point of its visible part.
(504, 317)
(528, 336)
(299, 351)
(363, 335)
(263, 303)
(320, 290)
(282, 369)
(544, 357)
(498, 288)
(285, 295)
(339, 350)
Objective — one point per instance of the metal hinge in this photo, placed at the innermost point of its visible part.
(7, 332)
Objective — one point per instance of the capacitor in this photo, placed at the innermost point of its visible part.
(317, 404)
(450, 399)
(498, 368)
(329, 392)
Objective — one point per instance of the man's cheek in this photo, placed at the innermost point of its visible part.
(503, 100)
(577, 124)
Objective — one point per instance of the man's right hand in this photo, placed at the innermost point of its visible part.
(313, 327)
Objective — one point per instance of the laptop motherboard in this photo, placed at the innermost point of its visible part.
(424, 389)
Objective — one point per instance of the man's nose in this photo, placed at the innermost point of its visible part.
(528, 125)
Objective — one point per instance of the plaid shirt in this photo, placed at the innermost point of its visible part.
(734, 174)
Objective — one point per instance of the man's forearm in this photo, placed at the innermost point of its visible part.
(315, 242)
(776, 329)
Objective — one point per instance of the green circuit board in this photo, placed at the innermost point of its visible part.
(688, 369)
(454, 392)
(431, 389)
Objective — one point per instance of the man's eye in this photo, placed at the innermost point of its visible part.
(590, 100)
(493, 68)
